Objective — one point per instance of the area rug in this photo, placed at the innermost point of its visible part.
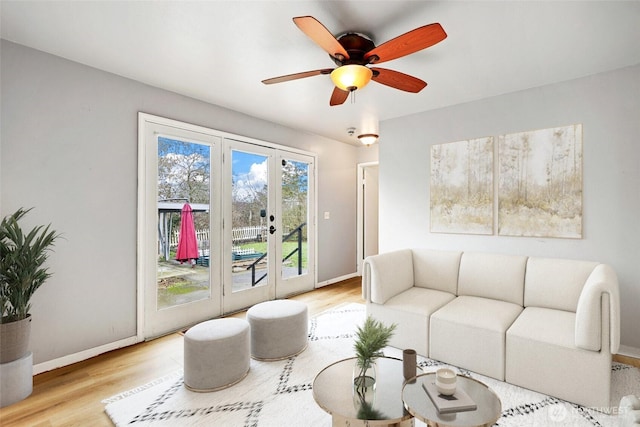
(278, 394)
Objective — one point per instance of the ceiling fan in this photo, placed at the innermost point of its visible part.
(352, 52)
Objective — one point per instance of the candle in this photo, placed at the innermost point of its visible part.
(445, 376)
(446, 381)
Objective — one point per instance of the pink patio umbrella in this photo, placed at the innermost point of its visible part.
(187, 241)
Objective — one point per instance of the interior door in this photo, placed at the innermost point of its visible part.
(367, 221)
(370, 214)
(180, 222)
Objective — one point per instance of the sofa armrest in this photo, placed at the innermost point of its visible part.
(600, 287)
(386, 275)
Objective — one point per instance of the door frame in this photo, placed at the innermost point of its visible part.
(360, 223)
(142, 246)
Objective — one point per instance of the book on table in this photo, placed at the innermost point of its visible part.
(458, 402)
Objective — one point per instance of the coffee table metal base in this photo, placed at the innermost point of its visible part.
(339, 421)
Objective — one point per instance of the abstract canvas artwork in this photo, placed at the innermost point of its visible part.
(462, 187)
(540, 183)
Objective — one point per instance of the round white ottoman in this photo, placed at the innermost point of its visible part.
(279, 329)
(216, 354)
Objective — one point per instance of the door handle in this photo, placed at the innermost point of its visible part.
(272, 229)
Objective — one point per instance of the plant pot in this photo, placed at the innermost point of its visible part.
(364, 391)
(364, 380)
(14, 339)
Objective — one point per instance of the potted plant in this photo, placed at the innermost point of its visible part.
(372, 337)
(22, 272)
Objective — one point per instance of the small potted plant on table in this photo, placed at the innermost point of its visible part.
(372, 337)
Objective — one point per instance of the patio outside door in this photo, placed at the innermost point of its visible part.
(179, 221)
(295, 240)
(222, 224)
(269, 226)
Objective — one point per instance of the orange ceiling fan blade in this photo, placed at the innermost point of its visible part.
(296, 76)
(397, 80)
(338, 96)
(408, 43)
(319, 34)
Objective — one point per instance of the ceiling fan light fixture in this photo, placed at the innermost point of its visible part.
(368, 138)
(351, 77)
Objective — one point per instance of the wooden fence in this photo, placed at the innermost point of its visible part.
(246, 234)
(201, 235)
(241, 234)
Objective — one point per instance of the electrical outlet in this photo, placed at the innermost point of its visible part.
(327, 215)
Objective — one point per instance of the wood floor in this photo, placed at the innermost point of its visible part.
(71, 396)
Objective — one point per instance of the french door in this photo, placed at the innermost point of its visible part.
(223, 224)
(179, 224)
(269, 224)
(295, 234)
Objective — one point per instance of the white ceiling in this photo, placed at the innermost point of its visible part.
(219, 51)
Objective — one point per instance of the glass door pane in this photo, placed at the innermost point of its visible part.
(249, 222)
(295, 217)
(184, 180)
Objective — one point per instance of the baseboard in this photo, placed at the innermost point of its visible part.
(82, 355)
(92, 352)
(336, 280)
(626, 350)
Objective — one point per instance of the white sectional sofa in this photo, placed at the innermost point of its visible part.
(549, 325)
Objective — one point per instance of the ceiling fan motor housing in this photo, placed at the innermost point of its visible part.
(356, 45)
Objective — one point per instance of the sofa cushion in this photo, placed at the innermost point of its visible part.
(499, 277)
(469, 332)
(555, 283)
(435, 269)
(420, 300)
(550, 326)
(410, 311)
(541, 356)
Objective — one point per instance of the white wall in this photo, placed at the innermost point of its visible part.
(367, 154)
(608, 106)
(69, 148)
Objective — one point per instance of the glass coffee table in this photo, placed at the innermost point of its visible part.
(419, 404)
(333, 392)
